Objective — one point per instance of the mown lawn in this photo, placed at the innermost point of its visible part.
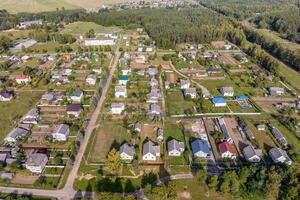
(176, 103)
(12, 112)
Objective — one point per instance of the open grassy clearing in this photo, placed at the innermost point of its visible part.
(109, 135)
(12, 111)
(16, 34)
(176, 103)
(80, 28)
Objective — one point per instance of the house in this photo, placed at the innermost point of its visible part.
(276, 91)
(200, 148)
(127, 152)
(251, 154)
(74, 110)
(192, 92)
(97, 70)
(7, 176)
(224, 130)
(77, 96)
(153, 96)
(15, 135)
(167, 85)
(184, 84)
(227, 91)
(31, 117)
(26, 24)
(61, 132)
(260, 127)
(227, 150)
(3, 157)
(175, 148)
(154, 109)
(150, 151)
(153, 82)
(91, 79)
(152, 71)
(278, 136)
(117, 108)
(112, 35)
(160, 134)
(120, 91)
(105, 41)
(123, 79)
(126, 71)
(279, 156)
(36, 162)
(227, 46)
(138, 127)
(5, 95)
(23, 79)
(219, 102)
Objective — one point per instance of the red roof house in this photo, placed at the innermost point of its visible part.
(227, 150)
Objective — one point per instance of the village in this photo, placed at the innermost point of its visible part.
(196, 105)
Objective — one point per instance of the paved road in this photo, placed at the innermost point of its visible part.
(68, 192)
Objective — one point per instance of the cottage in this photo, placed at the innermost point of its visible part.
(249, 133)
(200, 148)
(160, 134)
(74, 110)
(150, 151)
(120, 91)
(227, 91)
(152, 71)
(26, 24)
(185, 84)
(77, 96)
(15, 135)
(97, 70)
(175, 148)
(123, 79)
(138, 127)
(117, 108)
(219, 102)
(278, 136)
(227, 150)
(251, 154)
(192, 92)
(260, 127)
(276, 91)
(127, 152)
(5, 95)
(61, 132)
(91, 79)
(227, 46)
(154, 109)
(279, 156)
(36, 162)
(31, 117)
(23, 79)
(153, 96)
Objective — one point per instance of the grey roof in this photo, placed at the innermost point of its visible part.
(276, 153)
(200, 145)
(36, 159)
(160, 132)
(155, 108)
(7, 175)
(117, 105)
(120, 88)
(190, 91)
(62, 129)
(17, 132)
(249, 152)
(249, 133)
(183, 81)
(150, 147)
(3, 157)
(129, 150)
(227, 89)
(137, 126)
(175, 145)
(278, 135)
(223, 127)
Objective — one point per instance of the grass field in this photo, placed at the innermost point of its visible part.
(12, 111)
(15, 35)
(80, 28)
(176, 103)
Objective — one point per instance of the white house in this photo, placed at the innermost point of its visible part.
(15, 134)
(117, 108)
(120, 91)
(251, 154)
(279, 156)
(36, 162)
(127, 152)
(150, 151)
(97, 70)
(91, 79)
(23, 79)
(126, 71)
(160, 134)
(184, 84)
(99, 42)
(76, 96)
(123, 79)
(227, 91)
(61, 132)
(175, 148)
(227, 150)
(192, 92)
(5, 95)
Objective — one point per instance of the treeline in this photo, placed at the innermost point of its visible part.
(242, 9)
(168, 27)
(287, 23)
(42, 35)
(289, 56)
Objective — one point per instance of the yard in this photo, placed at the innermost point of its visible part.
(11, 112)
(176, 103)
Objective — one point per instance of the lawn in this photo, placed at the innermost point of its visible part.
(15, 35)
(80, 28)
(176, 103)
(12, 111)
(110, 134)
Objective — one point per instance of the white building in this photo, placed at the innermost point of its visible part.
(36, 162)
(117, 108)
(120, 91)
(99, 42)
(175, 148)
(150, 151)
(227, 91)
(91, 79)
(61, 133)
(184, 84)
(127, 152)
(23, 79)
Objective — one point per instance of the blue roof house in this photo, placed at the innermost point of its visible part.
(219, 101)
(200, 148)
(241, 98)
(123, 79)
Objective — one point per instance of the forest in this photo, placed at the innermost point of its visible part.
(286, 23)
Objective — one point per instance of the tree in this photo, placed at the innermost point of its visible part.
(113, 160)
(90, 34)
(213, 182)
(273, 184)
(202, 176)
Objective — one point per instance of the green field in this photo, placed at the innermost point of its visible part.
(12, 111)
